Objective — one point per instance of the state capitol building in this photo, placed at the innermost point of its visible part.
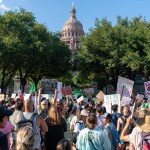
(72, 31)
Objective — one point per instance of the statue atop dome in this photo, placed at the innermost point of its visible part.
(72, 31)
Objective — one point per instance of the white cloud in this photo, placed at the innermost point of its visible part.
(1, 1)
(4, 7)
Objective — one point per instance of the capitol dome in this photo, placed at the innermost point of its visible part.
(72, 31)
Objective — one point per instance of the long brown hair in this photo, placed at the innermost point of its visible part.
(54, 116)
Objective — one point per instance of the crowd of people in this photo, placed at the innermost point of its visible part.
(25, 125)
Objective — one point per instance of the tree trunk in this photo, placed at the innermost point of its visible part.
(23, 82)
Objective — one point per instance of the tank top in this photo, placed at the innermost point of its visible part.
(37, 130)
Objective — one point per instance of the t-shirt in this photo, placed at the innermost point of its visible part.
(115, 117)
(135, 138)
(7, 130)
(95, 139)
(3, 141)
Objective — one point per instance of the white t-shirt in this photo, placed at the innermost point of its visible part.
(135, 138)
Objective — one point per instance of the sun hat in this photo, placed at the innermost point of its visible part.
(84, 113)
(144, 123)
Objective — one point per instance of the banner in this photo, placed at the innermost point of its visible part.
(46, 96)
(68, 90)
(59, 87)
(124, 88)
(110, 100)
(48, 86)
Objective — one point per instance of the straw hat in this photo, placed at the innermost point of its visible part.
(144, 123)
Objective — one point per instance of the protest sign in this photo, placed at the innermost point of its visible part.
(59, 87)
(139, 98)
(100, 97)
(89, 91)
(13, 95)
(124, 88)
(68, 90)
(63, 91)
(48, 86)
(2, 97)
(26, 96)
(147, 89)
(80, 99)
(110, 100)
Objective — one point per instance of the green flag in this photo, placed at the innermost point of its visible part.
(32, 88)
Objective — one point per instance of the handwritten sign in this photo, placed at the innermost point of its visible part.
(110, 100)
(80, 99)
(124, 88)
(100, 97)
(89, 91)
(2, 97)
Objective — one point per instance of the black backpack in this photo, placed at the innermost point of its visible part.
(26, 122)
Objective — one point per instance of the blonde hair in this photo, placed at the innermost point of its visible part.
(25, 138)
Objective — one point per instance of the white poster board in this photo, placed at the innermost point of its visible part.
(13, 95)
(26, 96)
(80, 99)
(110, 100)
(124, 88)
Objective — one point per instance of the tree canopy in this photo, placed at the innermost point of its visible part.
(116, 50)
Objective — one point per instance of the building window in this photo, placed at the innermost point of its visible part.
(76, 34)
(69, 34)
(65, 34)
(73, 34)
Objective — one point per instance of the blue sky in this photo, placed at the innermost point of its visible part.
(54, 13)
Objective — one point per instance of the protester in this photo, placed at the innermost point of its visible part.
(25, 138)
(17, 111)
(56, 128)
(64, 144)
(140, 134)
(109, 128)
(39, 124)
(4, 114)
(93, 138)
(115, 114)
(121, 123)
(100, 117)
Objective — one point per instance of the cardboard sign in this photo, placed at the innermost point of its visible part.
(2, 97)
(68, 90)
(110, 100)
(80, 99)
(48, 86)
(13, 95)
(89, 91)
(100, 97)
(124, 88)
(59, 87)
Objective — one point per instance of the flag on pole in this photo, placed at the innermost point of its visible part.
(32, 88)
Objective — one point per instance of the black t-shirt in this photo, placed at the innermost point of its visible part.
(3, 141)
(54, 135)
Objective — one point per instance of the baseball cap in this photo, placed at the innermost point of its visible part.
(5, 112)
(108, 116)
(84, 113)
